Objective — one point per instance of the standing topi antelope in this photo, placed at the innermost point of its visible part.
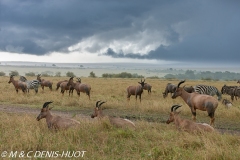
(44, 83)
(185, 124)
(58, 84)
(197, 101)
(118, 122)
(18, 84)
(80, 87)
(170, 88)
(55, 122)
(147, 87)
(135, 90)
(65, 86)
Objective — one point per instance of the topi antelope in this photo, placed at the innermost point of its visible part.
(58, 84)
(197, 101)
(44, 83)
(80, 87)
(185, 124)
(66, 86)
(170, 88)
(18, 84)
(136, 90)
(55, 122)
(118, 122)
(147, 87)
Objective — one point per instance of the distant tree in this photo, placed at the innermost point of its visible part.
(190, 74)
(15, 73)
(170, 76)
(92, 74)
(30, 74)
(54, 65)
(70, 74)
(58, 74)
(45, 75)
(2, 74)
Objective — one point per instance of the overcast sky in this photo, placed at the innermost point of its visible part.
(120, 31)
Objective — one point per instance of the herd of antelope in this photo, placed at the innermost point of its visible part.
(198, 97)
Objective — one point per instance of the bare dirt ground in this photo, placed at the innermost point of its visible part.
(26, 110)
(69, 114)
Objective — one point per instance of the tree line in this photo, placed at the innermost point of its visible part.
(204, 75)
(189, 74)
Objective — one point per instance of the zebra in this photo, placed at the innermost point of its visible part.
(209, 90)
(34, 84)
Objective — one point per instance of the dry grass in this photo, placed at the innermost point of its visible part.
(152, 138)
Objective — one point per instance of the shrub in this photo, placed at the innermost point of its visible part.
(30, 74)
(15, 73)
(2, 74)
(70, 74)
(92, 74)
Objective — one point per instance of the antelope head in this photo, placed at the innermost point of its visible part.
(178, 90)
(44, 111)
(97, 110)
(173, 113)
(142, 83)
(11, 79)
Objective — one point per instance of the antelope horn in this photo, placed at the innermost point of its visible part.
(46, 104)
(101, 104)
(175, 107)
(97, 104)
(180, 83)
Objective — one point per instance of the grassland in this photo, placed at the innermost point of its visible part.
(152, 139)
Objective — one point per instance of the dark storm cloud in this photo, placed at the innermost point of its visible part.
(193, 30)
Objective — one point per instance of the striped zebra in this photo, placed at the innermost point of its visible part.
(34, 84)
(208, 90)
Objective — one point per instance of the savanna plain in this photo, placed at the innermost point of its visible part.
(152, 138)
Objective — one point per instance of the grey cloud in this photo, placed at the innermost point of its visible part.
(194, 30)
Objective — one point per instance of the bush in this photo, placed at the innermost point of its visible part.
(58, 74)
(15, 73)
(70, 74)
(2, 74)
(30, 74)
(122, 75)
(92, 74)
